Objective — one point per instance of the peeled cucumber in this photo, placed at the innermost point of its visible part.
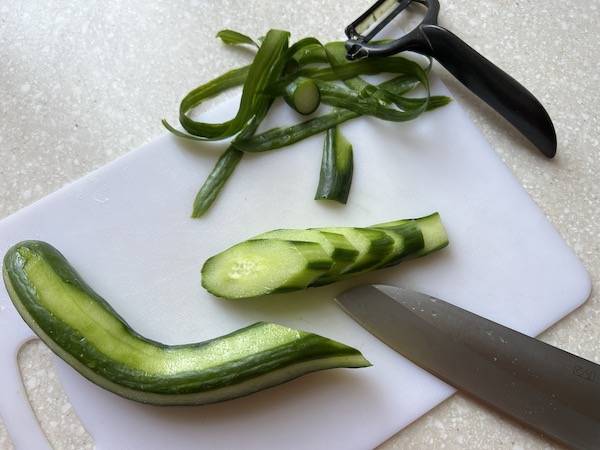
(289, 259)
(82, 329)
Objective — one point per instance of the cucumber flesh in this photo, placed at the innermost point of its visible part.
(82, 329)
(373, 246)
(264, 266)
(335, 245)
(431, 227)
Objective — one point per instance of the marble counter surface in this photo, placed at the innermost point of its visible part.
(84, 82)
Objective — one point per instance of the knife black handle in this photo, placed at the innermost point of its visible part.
(490, 83)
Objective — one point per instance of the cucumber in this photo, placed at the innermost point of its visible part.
(432, 230)
(264, 266)
(373, 246)
(303, 95)
(350, 251)
(82, 328)
(336, 246)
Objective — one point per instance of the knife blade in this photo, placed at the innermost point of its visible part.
(547, 388)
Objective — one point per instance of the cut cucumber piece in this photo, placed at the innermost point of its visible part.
(335, 245)
(431, 227)
(337, 167)
(373, 246)
(82, 329)
(264, 266)
(303, 95)
(270, 267)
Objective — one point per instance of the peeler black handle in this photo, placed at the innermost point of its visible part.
(502, 92)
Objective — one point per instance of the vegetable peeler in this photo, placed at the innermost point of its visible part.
(490, 83)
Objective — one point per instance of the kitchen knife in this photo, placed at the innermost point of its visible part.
(549, 389)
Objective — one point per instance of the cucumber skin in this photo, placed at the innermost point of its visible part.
(381, 245)
(427, 247)
(192, 387)
(413, 241)
(337, 167)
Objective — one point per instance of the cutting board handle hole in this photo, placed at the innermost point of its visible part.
(5, 441)
(48, 399)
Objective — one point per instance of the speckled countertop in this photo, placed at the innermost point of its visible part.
(84, 82)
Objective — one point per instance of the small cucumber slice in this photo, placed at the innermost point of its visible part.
(264, 266)
(335, 245)
(303, 95)
(433, 232)
(373, 246)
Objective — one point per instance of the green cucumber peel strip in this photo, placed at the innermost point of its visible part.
(265, 69)
(336, 168)
(231, 37)
(283, 136)
(274, 68)
(215, 181)
(84, 330)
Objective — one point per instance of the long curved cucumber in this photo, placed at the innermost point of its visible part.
(82, 328)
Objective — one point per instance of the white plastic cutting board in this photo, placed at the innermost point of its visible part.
(126, 229)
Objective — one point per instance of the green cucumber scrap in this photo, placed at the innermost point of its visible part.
(305, 74)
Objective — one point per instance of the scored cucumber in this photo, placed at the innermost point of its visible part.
(274, 264)
(335, 245)
(83, 329)
(373, 246)
(264, 266)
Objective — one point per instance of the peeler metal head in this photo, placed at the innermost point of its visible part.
(370, 23)
(490, 83)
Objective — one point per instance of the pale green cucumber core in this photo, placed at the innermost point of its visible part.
(107, 333)
(264, 266)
